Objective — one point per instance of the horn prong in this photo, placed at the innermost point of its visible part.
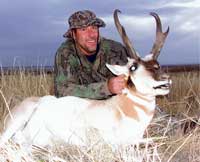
(160, 36)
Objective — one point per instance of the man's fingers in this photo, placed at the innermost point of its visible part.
(117, 84)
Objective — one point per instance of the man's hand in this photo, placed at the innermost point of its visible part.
(117, 84)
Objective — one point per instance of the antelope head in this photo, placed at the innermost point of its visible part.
(145, 72)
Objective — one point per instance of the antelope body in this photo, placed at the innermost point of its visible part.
(121, 119)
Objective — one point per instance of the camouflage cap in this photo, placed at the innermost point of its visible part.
(81, 19)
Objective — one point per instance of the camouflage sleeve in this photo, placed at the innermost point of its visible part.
(66, 79)
(93, 90)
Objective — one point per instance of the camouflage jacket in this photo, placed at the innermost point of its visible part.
(76, 76)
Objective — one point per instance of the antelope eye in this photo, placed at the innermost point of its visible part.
(134, 67)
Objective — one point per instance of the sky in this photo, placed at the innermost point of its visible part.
(31, 31)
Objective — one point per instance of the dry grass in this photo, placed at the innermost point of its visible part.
(185, 94)
(173, 140)
(19, 84)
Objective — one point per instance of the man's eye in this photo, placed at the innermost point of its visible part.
(94, 27)
(83, 29)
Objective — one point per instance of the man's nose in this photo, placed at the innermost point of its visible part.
(91, 32)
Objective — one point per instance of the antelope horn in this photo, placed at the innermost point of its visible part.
(124, 36)
(160, 37)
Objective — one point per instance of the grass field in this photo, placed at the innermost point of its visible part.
(174, 131)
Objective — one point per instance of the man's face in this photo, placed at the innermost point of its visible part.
(86, 39)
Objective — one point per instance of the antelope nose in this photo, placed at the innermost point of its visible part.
(167, 77)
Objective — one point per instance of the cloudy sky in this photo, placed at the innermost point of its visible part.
(31, 31)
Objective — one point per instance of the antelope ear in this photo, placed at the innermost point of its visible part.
(118, 70)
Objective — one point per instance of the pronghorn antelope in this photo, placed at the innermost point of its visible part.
(121, 119)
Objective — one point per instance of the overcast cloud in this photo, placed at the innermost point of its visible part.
(31, 31)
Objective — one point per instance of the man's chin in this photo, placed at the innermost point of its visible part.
(91, 53)
(92, 50)
(89, 50)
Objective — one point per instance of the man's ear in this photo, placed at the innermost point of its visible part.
(99, 37)
(73, 34)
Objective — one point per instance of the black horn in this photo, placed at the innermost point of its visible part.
(124, 36)
(160, 37)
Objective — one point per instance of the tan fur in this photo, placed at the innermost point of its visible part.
(126, 106)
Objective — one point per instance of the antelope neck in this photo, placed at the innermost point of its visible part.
(131, 103)
(139, 97)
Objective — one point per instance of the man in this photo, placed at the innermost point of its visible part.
(80, 61)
